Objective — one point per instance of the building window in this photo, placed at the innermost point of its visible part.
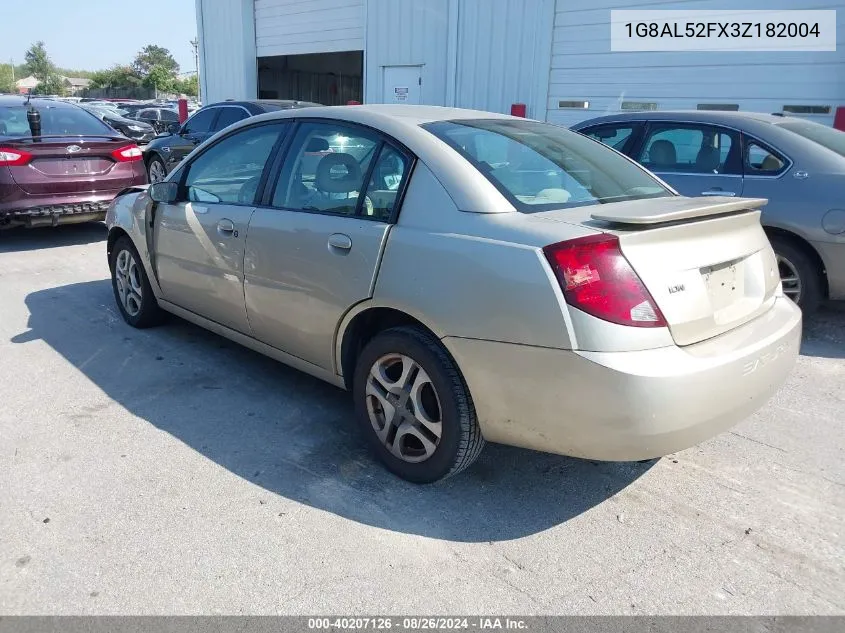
(578, 105)
(806, 109)
(724, 107)
(639, 105)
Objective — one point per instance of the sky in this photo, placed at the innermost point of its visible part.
(96, 34)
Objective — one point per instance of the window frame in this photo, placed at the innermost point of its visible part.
(265, 200)
(650, 124)
(747, 139)
(285, 132)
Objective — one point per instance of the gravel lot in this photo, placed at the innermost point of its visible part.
(170, 471)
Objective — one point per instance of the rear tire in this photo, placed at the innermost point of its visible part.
(800, 276)
(132, 291)
(156, 171)
(414, 407)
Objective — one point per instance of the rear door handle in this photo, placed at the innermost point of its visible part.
(226, 228)
(341, 241)
(718, 192)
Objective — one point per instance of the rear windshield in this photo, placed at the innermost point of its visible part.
(539, 166)
(55, 121)
(821, 134)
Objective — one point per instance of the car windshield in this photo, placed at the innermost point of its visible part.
(826, 136)
(540, 166)
(55, 121)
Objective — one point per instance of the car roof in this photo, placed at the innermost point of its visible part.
(703, 116)
(20, 100)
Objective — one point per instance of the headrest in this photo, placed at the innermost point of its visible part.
(662, 153)
(317, 144)
(708, 159)
(338, 173)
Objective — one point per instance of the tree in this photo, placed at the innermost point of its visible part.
(161, 79)
(187, 86)
(152, 56)
(7, 83)
(38, 63)
(54, 84)
(116, 77)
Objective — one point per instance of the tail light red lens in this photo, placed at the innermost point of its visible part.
(12, 157)
(127, 154)
(597, 278)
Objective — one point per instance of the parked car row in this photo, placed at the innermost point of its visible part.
(164, 153)
(796, 164)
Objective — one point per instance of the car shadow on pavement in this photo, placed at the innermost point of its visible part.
(824, 332)
(294, 435)
(23, 239)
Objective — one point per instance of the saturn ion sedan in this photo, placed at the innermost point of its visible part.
(469, 277)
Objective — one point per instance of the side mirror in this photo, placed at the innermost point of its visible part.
(164, 192)
(174, 128)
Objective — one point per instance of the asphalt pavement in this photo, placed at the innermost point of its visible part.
(169, 471)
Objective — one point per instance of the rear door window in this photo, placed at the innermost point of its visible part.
(691, 149)
(229, 116)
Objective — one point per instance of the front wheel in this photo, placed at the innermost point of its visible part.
(132, 289)
(414, 407)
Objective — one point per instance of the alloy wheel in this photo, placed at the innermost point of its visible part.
(404, 408)
(789, 278)
(127, 276)
(157, 173)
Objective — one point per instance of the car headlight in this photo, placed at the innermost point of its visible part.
(135, 128)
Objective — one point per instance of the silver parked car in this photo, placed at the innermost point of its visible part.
(468, 276)
(798, 165)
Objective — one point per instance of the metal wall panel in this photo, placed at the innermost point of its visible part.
(503, 54)
(295, 27)
(585, 69)
(226, 31)
(407, 33)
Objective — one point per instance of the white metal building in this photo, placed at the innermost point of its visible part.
(551, 55)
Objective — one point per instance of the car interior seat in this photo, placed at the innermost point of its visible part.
(662, 153)
(338, 176)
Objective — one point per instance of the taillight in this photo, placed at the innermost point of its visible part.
(127, 154)
(14, 157)
(595, 277)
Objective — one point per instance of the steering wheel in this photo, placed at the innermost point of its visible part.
(248, 190)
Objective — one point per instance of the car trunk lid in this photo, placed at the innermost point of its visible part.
(706, 262)
(61, 165)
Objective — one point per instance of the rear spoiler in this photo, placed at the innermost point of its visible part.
(673, 209)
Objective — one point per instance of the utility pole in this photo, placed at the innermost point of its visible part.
(196, 46)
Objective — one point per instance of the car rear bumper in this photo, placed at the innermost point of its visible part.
(54, 210)
(622, 406)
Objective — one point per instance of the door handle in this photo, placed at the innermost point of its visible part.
(226, 227)
(718, 192)
(340, 241)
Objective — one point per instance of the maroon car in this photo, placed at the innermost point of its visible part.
(60, 164)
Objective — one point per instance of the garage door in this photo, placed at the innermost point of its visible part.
(294, 27)
(585, 72)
